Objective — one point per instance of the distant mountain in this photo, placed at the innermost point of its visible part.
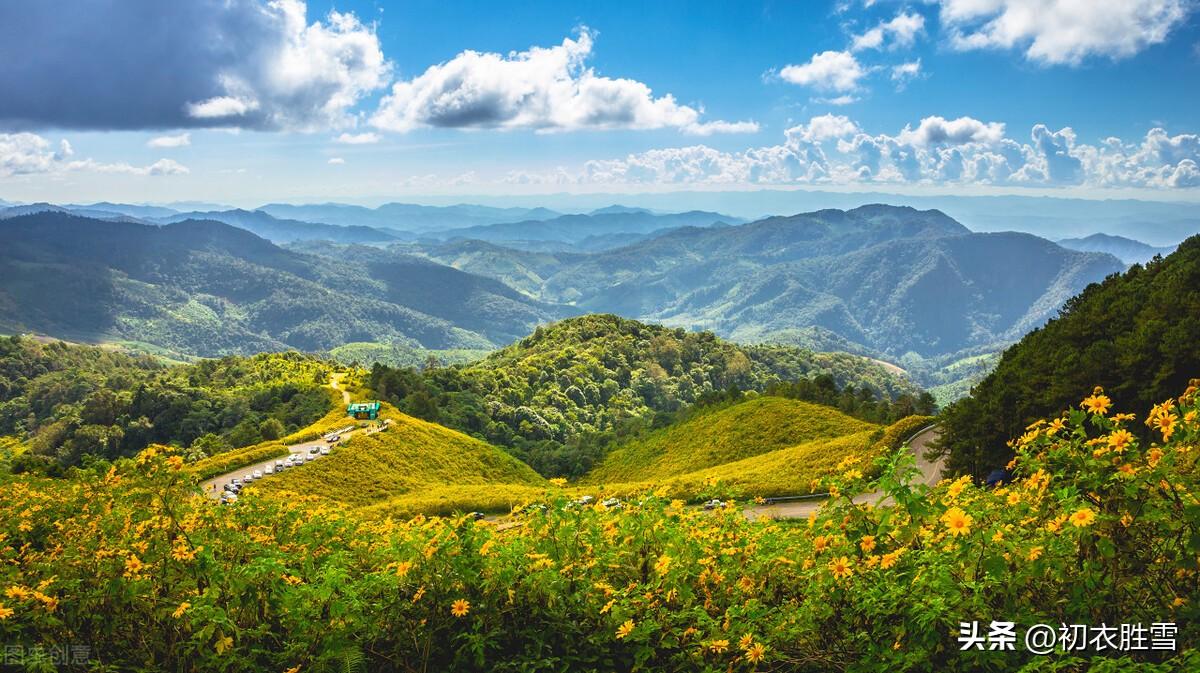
(207, 288)
(577, 228)
(618, 209)
(1135, 335)
(879, 279)
(143, 212)
(287, 231)
(1125, 249)
(406, 216)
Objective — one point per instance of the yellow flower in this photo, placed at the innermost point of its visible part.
(756, 653)
(718, 646)
(559, 481)
(1153, 456)
(957, 521)
(460, 607)
(223, 643)
(867, 543)
(662, 565)
(840, 567)
(133, 567)
(1083, 517)
(183, 607)
(292, 580)
(1098, 403)
(625, 629)
(1055, 426)
(18, 593)
(1120, 440)
(293, 669)
(889, 559)
(5, 613)
(1166, 425)
(820, 543)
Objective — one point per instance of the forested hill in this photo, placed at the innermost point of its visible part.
(207, 288)
(1136, 334)
(560, 396)
(68, 402)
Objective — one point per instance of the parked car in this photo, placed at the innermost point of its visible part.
(714, 504)
(227, 498)
(584, 500)
(476, 515)
(309, 458)
(325, 450)
(270, 469)
(258, 474)
(314, 449)
(236, 481)
(612, 503)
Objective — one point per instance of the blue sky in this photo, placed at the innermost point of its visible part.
(245, 101)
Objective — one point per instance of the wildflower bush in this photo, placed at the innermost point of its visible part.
(1097, 527)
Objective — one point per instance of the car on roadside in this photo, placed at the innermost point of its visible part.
(270, 469)
(714, 504)
(612, 503)
(308, 458)
(257, 475)
(315, 449)
(236, 481)
(326, 450)
(478, 516)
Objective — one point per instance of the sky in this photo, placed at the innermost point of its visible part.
(250, 101)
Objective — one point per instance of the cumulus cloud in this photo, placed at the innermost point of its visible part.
(543, 89)
(29, 154)
(833, 149)
(901, 31)
(130, 65)
(359, 138)
(336, 161)
(1061, 31)
(836, 71)
(161, 142)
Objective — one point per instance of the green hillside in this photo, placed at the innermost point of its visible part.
(209, 289)
(71, 402)
(1135, 334)
(560, 397)
(412, 458)
(723, 435)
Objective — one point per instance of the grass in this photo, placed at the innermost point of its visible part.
(413, 460)
(723, 435)
(793, 470)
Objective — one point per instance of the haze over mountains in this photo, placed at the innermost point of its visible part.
(892, 282)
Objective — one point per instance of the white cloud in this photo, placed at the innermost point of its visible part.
(1062, 31)
(336, 161)
(833, 149)
(359, 138)
(180, 140)
(941, 131)
(229, 63)
(544, 89)
(844, 99)
(29, 153)
(902, 31)
(904, 73)
(827, 71)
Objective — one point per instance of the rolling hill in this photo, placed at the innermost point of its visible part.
(578, 228)
(279, 230)
(207, 288)
(1125, 249)
(412, 459)
(721, 435)
(406, 217)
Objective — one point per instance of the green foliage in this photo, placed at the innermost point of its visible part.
(70, 402)
(1134, 334)
(366, 354)
(559, 397)
(154, 576)
(717, 435)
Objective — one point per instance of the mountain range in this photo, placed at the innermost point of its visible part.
(1125, 249)
(201, 287)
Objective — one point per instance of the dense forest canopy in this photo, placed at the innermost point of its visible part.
(560, 396)
(70, 402)
(1136, 334)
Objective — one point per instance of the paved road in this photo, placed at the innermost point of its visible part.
(931, 473)
(213, 487)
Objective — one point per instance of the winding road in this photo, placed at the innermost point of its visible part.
(931, 473)
(213, 487)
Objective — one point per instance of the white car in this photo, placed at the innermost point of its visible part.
(325, 450)
(309, 458)
(714, 504)
(270, 469)
(258, 474)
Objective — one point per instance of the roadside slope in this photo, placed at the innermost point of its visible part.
(723, 435)
(411, 458)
